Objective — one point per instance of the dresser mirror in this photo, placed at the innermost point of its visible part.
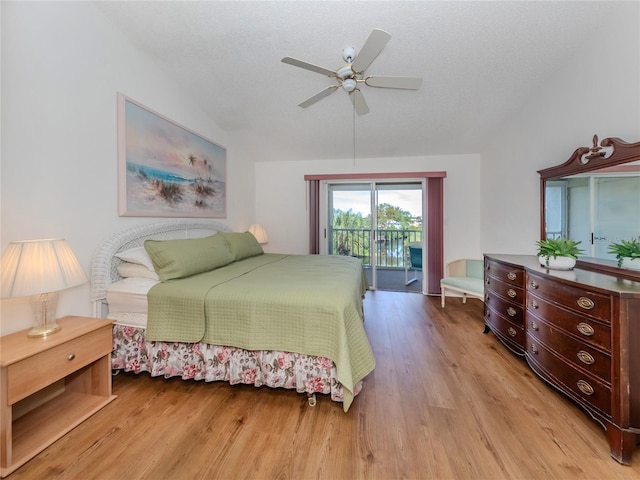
(594, 198)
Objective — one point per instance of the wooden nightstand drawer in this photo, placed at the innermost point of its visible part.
(34, 373)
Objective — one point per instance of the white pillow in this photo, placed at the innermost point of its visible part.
(135, 270)
(136, 255)
(138, 286)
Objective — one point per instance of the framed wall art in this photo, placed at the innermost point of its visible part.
(165, 169)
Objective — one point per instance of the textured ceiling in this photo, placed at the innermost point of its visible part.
(481, 62)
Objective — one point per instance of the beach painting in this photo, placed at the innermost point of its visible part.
(165, 169)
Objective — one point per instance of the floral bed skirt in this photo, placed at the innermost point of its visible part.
(201, 361)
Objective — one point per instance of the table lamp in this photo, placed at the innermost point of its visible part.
(259, 232)
(39, 269)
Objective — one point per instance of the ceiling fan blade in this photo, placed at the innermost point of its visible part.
(408, 83)
(308, 66)
(319, 96)
(359, 102)
(370, 50)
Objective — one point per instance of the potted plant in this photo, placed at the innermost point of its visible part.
(627, 252)
(558, 253)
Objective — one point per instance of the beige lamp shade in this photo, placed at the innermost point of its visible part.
(33, 267)
(259, 232)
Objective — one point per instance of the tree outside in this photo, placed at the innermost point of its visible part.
(396, 228)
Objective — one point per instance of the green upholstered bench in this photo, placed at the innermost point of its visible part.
(464, 276)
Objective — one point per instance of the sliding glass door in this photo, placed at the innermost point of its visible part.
(350, 215)
(376, 222)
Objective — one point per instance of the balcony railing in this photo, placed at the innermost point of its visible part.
(390, 245)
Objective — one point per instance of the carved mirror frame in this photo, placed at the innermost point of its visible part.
(610, 152)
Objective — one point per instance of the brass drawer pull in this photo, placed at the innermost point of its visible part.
(534, 304)
(586, 357)
(534, 349)
(511, 293)
(71, 356)
(585, 387)
(512, 331)
(534, 326)
(586, 303)
(511, 276)
(533, 284)
(585, 329)
(511, 312)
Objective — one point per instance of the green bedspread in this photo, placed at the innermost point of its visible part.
(309, 304)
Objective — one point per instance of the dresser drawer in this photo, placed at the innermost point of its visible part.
(38, 371)
(580, 354)
(509, 310)
(578, 326)
(578, 299)
(507, 290)
(580, 386)
(510, 334)
(512, 275)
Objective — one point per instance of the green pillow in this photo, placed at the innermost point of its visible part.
(242, 245)
(185, 257)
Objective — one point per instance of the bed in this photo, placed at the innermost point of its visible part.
(191, 299)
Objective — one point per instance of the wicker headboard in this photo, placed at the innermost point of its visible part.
(104, 263)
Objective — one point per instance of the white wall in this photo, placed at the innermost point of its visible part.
(62, 64)
(596, 92)
(283, 198)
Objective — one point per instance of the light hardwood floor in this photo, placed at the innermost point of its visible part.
(444, 402)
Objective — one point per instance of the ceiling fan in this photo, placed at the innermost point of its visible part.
(350, 75)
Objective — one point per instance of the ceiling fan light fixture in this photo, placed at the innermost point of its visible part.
(349, 85)
(345, 71)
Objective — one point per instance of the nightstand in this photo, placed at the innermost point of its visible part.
(74, 363)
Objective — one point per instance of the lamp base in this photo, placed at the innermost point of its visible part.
(44, 309)
(44, 330)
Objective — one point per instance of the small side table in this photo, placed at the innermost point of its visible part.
(79, 357)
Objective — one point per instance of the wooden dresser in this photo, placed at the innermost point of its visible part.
(504, 299)
(579, 331)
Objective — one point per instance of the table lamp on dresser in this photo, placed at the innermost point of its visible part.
(39, 269)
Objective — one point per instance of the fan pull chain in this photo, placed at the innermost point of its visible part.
(354, 134)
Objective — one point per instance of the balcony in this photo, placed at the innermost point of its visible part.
(390, 246)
